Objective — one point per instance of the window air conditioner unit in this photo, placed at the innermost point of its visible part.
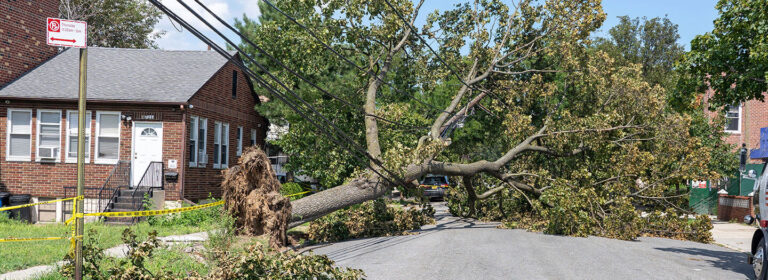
(47, 153)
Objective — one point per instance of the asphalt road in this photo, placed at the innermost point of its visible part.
(466, 249)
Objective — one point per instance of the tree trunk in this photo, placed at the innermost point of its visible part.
(322, 203)
(471, 196)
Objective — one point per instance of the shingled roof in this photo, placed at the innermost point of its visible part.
(135, 75)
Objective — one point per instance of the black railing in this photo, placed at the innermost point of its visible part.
(152, 179)
(120, 177)
(89, 206)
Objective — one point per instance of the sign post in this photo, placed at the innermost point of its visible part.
(71, 33)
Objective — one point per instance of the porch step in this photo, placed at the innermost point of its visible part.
(124, 201)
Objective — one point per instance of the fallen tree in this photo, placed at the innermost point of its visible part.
(530, 113)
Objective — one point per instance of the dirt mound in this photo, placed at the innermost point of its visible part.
(252, 195)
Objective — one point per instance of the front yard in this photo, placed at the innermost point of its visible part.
(20, 255)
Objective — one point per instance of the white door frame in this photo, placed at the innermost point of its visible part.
(133, 145)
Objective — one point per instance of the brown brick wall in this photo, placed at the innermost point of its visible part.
(214, 101)
(22, 36)
(731, 207)
(754, 115)
(48, 179)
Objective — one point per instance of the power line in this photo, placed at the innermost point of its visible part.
(369, 72)
(264, 52)
(415, 32)
(277, 94)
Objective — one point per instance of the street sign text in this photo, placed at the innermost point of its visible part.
(66, 33)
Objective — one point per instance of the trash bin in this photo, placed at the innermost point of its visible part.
(24, 214)
(4, 202)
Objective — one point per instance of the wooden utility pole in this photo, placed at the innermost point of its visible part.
(80, 164)
(73, 34)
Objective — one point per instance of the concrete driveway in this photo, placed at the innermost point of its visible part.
(466, 249)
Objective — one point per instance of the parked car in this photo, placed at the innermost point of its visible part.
(435, 187)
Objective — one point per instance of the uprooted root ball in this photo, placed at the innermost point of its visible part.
(252, 195)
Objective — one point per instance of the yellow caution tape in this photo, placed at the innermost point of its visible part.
(73, 238)
(295, 194)
(31, 239)
(39, 203)
(153, 212)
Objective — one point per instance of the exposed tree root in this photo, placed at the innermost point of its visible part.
(252, 196)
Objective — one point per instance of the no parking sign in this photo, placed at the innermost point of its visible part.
(66, 33)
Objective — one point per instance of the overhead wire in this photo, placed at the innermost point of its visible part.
(440, 58)
(347, 60)
(271, 57)
(285, 100)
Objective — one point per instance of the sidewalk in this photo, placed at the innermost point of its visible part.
(735, 236)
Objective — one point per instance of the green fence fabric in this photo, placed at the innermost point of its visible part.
(703, 200)
(746, 184)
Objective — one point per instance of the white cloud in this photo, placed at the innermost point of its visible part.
(184, 40)
(250, 8)
(227, 10)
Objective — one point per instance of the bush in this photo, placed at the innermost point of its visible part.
(369, 219)
(291, 188)
(97, 266)
(260, 263)
(203, 216)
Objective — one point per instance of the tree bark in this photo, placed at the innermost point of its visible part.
(471, 196)
(325, 202)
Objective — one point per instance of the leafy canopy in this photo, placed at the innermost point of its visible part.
(732, 59)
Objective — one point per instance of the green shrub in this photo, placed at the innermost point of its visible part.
(97, 266)
(292, 188)
(259, 263)
(210, 215)
(369, 219)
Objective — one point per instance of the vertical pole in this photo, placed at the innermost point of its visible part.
(80, 163)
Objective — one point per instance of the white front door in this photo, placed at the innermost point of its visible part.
(147, 147)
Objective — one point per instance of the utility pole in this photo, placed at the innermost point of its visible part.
(73, 34)
(80, 164)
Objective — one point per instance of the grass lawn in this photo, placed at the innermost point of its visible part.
(20, 255)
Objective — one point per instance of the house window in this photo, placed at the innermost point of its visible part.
(198, 128)
(107, 137)
(19, 134)
(72, 136)
(193, 141)
(733, 119)
(234, 84)
(253, 137)
(239, 140)
(220, 145)
(48, 134)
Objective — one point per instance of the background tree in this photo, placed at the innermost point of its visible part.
(116, 23)
(651, 43)
(732, 59)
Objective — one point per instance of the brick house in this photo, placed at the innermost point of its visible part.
(185, 113)
(22, 36)
(743, 123)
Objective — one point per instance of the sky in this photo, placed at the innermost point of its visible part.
(693, 17)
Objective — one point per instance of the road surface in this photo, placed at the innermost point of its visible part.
(456, 248)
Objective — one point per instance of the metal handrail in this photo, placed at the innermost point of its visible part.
(119, 169)
(152, 178)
